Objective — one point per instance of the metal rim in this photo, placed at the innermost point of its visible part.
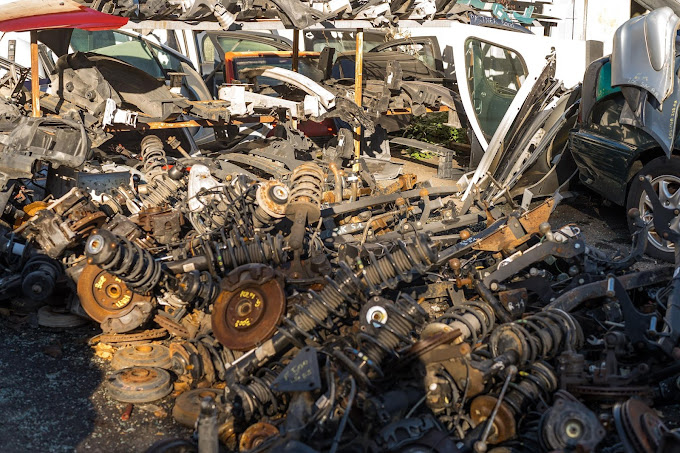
(667, 187)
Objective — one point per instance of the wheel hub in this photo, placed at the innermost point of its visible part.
(667, 188)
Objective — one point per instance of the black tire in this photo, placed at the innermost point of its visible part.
(660, 169)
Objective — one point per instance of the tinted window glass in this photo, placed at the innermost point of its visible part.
(230, 44)
(494, 75)
(130, 49)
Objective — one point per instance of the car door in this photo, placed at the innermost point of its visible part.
(496, 71)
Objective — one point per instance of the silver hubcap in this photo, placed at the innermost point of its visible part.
(667, 187)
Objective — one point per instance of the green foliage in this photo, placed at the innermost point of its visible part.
(431, 129)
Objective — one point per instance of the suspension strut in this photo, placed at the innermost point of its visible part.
(539, 383)
(347, 285)
(542, 335)
(123, 259)
(304, 202)
(386, 324)
(162, 185)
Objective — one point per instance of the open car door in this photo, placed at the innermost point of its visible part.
(496, 71)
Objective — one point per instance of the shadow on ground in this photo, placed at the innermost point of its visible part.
(52, 396)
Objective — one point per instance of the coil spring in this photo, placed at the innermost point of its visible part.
(198, 287)
(539, 382)
(161, 188)
(253, 397)
(346, 286)
(474, 319)
(396, 321)
(542, 335)
(127, 261)
(306, 184)
(393, 267)
(234, 251)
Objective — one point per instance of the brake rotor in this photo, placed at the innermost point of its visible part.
(144, 355)
(103, 295)
(638, 426)
(188, 405)
(139, 384)
(256, 434)
(504, 426)
(249, 307)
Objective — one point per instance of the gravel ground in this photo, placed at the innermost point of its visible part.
(51, 383)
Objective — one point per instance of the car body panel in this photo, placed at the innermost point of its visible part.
(604, 164)
(20, 15)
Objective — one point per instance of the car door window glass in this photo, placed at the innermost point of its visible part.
(234, 44)
(127, 48)
(494, 75)
(420, 51)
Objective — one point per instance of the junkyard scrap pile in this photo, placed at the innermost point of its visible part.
(293, 296)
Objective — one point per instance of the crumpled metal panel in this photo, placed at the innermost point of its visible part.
(644, 51)
(661, 124)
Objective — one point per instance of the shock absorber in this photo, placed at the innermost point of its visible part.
(345, 288)
(542, 335)
(272, 198)
(304, 202)
(162, 185)
(474, 319)
(254, 397)
(124, 259)
(198, 287)
(234, 251)
(538, 384)
(385, 325)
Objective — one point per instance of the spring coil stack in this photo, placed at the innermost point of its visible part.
(306, 184)
(538, 384)
(160, 187)
(234, 250)
(253, 397)
(402, 317)
(127, 261)
(474, 319)
(386, 271)
(542, 335)
(391, 268)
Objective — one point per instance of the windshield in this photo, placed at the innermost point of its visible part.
(130, 49)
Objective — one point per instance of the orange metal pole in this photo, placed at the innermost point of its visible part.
(35, 75)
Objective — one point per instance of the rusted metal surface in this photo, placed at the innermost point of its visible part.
(249, 307)
(102, 294)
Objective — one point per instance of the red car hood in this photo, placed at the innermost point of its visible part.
(20, 15)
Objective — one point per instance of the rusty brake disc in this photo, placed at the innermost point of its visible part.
(139, 384)
(504, 426)
(149, 354)
(256, 434)
(638, 426)
(103, 295)
(188, 405)
(249, 307)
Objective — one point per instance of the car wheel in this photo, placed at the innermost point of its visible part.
(665, 176)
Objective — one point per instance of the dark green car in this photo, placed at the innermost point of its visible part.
(610, 155)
